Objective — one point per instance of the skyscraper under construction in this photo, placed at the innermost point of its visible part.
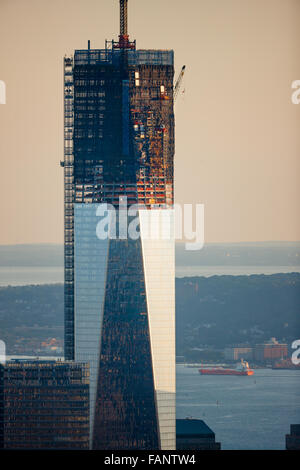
(119, 292)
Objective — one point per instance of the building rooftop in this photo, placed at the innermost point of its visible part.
(193, 427)
(295, 429)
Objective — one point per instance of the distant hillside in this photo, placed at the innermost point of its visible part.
(29, 315)
(223, 310)
(216, 311)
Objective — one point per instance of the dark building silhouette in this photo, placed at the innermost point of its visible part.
(292, 440)
(194, 434)
(44, 405)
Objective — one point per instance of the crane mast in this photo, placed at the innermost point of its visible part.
(124, 42)
(123, 17)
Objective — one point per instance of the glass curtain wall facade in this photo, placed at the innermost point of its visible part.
(119, 293)
(45, 405)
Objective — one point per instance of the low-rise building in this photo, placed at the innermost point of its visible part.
(238, 353)
(194, 434)
(270, 351)
(292, 440)
(44, 405)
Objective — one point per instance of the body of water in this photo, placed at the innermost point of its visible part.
(26, 275)
(252, 412)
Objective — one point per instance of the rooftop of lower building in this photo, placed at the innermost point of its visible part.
(193, 427)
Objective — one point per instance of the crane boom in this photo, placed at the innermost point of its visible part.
(178, 82)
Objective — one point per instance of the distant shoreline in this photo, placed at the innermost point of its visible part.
(43, 263)
(212, 254)
(35, 275)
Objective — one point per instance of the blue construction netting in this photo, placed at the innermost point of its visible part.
(112, 57)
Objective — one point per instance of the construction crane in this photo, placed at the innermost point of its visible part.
(123, 18)
(178, 82)
(124, 42)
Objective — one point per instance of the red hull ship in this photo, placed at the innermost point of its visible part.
(241, 369)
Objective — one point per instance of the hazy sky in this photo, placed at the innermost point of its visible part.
(237, 131)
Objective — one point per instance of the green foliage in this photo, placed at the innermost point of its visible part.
(225, 310)
(217, 311)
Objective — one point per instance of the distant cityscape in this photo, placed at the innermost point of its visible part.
(271, 354)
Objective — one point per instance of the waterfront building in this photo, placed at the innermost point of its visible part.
(270, 351)
(238, 353)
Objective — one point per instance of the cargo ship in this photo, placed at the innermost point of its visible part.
(241, 369)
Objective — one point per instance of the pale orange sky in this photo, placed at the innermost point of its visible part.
(237, 131)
